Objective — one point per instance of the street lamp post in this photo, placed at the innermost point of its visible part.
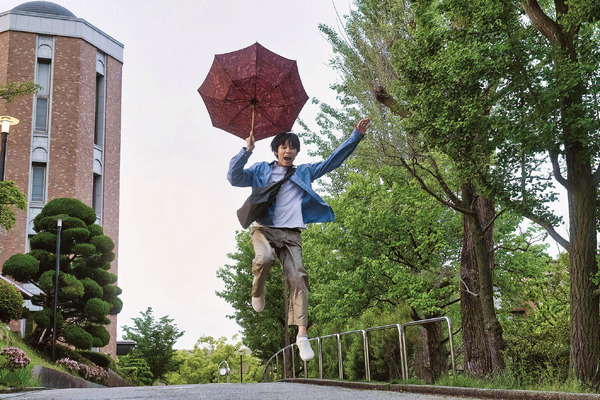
(223, 370)
(6, 122)
(58, 232)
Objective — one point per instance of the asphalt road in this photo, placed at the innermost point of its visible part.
(224, 391)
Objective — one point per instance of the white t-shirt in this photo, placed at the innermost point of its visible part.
(288, 204)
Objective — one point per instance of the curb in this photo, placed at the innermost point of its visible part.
(451, 390)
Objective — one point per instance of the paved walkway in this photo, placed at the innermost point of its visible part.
(224, 391)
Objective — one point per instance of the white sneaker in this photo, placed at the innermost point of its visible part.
(306, 352)
(258, 303)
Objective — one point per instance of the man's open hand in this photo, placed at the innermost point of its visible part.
(362, 125)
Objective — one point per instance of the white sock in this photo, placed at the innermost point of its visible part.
(301, 337)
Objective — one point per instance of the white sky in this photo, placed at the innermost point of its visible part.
(178, 217)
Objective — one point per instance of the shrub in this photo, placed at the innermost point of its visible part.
(100, 359)
(136, 370)
(16, 379)
(71, 365)
(92, 373)
(11, 302)
(15, 358)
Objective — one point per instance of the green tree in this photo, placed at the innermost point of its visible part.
(200, 365)
(538, 342)
(391, 244)
(376, 55)
(155, 340)
(10, 196)
(87, 291)
(516, 82)
(263, 333)
(550, 113)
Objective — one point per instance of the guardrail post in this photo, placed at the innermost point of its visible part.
(405, 358)
(452, 356)
(401, 346)
(366, 352)
(284, 365)
(320, 357)
(277, 365)
(341, 367)
(293, 361)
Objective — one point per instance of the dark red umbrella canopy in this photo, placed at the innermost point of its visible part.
(253, 80)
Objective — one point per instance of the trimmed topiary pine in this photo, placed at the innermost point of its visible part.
(87, 292)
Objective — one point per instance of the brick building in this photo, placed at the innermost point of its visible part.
(68, 141)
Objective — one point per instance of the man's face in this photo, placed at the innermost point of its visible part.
(286, 154)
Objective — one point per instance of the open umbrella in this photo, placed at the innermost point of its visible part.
(253, 90)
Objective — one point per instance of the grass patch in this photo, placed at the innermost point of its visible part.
(22, 378)
(508, 381)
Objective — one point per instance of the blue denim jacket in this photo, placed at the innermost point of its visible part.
(314, 208)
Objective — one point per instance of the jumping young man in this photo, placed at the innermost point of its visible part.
(278, 230)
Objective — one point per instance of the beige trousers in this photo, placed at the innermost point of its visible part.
(287, 244)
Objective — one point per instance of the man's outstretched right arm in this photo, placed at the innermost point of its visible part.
(237, 175)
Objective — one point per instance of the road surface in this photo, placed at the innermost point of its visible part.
(224, 391)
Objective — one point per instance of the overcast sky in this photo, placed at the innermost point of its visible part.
(177, 209)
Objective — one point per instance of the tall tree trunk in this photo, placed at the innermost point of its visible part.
(433, 360)
(482, 332)
(585, 316)
(478, 361)
(582, 193)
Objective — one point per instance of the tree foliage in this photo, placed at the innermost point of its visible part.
(11, 302)
(16, 89)
(10, 196)
(509, 91)
(201, 364)
(87, 293)
(135, 369)
(155, 340)
(263, 332)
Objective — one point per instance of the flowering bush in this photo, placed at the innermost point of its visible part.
(94, 373)
(71, 365)
(89, 372)
(15, 358)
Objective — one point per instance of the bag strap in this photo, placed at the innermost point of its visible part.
(290, 171)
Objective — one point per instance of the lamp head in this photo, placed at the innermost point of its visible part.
(7, 121)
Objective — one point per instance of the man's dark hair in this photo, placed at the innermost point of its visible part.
(284, 137)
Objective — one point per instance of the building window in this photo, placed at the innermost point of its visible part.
(41, 105)
(38, 183)
(41, 114)
(97, 195)
(99, 116)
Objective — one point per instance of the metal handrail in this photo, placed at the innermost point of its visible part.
(427, 321)
(338, 336)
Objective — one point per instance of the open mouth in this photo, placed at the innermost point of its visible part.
(287, 158)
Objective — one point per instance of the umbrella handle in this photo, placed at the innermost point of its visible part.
(252, 127)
